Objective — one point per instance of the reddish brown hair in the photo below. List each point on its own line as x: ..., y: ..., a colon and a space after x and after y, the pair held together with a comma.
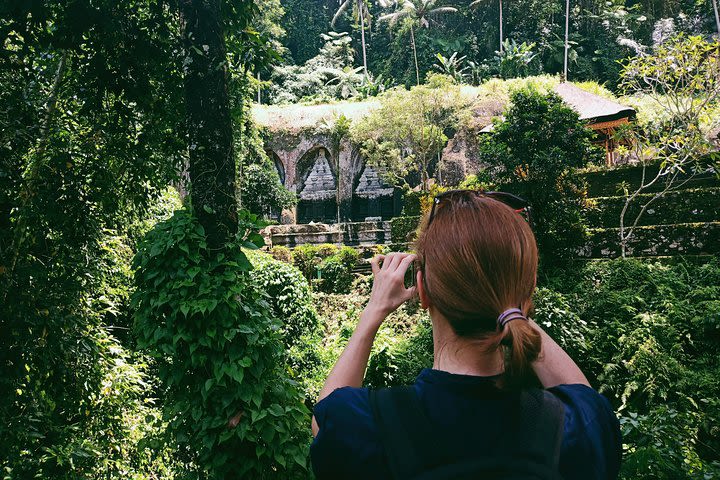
x: 479, y: 258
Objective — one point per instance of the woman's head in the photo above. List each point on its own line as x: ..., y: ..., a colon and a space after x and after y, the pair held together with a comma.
x: 478, y: 258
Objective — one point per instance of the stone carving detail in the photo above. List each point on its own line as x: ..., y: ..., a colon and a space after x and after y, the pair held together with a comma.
x: 371, y: 185
x: 320, y: 183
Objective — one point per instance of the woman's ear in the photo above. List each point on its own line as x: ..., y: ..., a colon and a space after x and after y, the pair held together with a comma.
x: 422, y: 294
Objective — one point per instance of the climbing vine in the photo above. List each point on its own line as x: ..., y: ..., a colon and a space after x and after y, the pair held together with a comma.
x: 219, y: 354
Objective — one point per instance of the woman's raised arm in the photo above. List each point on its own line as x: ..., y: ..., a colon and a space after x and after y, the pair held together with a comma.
x: 554, y: 366
x: 388, y: 293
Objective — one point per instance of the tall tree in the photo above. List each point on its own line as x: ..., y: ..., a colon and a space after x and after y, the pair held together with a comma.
x: 477, y: 3
x: 209, y: 125
x: 418, y: 12
x: 567, y: 44
x: 363, y: 16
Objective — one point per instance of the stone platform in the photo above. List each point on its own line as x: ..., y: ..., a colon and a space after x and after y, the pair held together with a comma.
x: 348, y: 233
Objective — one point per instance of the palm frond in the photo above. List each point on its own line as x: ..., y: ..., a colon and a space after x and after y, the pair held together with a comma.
x: 392, y: 18
x: 340, y: 11
x: 477, y: 3
x: 440, y: 10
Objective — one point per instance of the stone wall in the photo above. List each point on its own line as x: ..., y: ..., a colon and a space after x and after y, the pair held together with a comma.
x: 682, y: 222
x: 298, y: 137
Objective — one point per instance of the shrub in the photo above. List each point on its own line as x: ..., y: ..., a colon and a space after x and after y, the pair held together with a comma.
x: 336, y: 271
x: 478, y: 181
x: 308, y: 257
x: 403, y: 230
x: 231, y: 407
x: 284, y: 254
x: 290, y: 299
x: 288, y: 294
x: 327, y: 266
x: 411, y: 203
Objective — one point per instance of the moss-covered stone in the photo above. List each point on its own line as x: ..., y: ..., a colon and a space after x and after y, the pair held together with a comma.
x: 684, y: 206
x: 608, y: 183
x: 658, y: 240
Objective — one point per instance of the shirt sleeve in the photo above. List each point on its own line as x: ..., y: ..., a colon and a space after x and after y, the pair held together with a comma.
x: 346, y: 445
x: 592, y: 445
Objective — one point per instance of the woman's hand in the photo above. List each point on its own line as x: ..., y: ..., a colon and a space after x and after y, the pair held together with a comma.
x: 388, y: 291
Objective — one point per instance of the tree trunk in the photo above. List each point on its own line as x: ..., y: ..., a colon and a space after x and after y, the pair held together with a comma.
x: 717, y: 17
x: 362, y: 37
x: 412, y: 40
x: 501, y: 28
x: 567, y: 31
x: 212, y: 162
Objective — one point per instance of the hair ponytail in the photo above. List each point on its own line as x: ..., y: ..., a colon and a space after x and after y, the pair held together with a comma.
x: 522, y: 344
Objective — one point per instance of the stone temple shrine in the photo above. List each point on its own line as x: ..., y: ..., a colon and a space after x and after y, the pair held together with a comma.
x: 342, y: 199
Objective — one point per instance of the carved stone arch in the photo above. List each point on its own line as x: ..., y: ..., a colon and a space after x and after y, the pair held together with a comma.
x: 307, y: 160
x: 373, y: 197
x: 316, y: 185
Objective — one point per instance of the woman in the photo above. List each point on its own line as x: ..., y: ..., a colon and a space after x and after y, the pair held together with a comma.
x: 473, y: 411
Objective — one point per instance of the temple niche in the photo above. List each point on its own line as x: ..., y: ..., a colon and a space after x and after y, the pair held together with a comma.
x: 279, y: 167
x: 317, y: 200
x: 372, y: 198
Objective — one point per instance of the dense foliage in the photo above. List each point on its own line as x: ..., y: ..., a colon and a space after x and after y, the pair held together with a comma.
x: 601, y: 34
x: 328, y: 75
x: 538, y: 147
x: 651, y: 344
x: 260, y: 188
x: 88, y: 138
x: 329, y: 268
x: 231, y: 408
x: 91, y: 135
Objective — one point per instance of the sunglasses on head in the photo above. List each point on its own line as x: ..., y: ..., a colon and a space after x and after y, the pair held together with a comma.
x: 518, y: 204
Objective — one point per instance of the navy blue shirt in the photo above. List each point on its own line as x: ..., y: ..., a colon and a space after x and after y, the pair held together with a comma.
x: 473, y: 412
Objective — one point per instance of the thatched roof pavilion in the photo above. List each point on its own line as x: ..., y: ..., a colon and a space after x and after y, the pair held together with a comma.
x: 602, y: 115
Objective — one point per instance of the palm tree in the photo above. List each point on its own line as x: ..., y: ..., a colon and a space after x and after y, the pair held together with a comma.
x: 419, y: 12
x: 364, y: 14
x: 717, y: 17
x: 476, y: 3
x: 567, y: 43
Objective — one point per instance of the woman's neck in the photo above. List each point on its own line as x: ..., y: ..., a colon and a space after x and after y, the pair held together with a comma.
x: 457, y: 355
